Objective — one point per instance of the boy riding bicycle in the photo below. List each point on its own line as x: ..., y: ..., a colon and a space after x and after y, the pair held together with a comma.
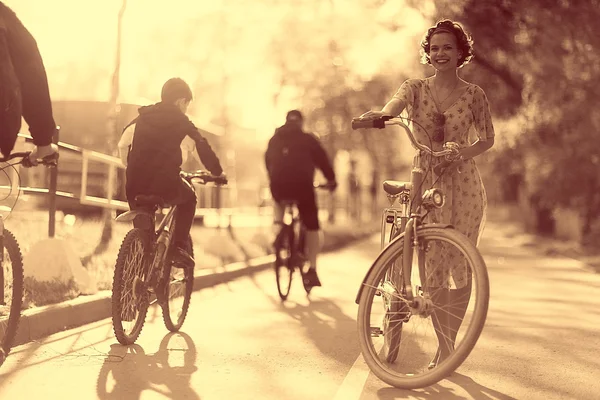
x: 153, y: 158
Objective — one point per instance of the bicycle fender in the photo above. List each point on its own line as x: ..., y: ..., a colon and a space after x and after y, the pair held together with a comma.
x: 391, y: 247
x: 141, y: 218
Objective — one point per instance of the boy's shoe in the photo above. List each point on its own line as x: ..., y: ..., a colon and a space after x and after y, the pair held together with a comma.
x: 310, y: 278
x: 181, y: 258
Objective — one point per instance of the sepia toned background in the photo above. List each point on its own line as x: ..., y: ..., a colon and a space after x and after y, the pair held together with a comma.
x: 249, y: 62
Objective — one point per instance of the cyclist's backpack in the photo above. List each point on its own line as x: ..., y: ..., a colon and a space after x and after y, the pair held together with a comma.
x: 10, y: 95
x: 289, y: 159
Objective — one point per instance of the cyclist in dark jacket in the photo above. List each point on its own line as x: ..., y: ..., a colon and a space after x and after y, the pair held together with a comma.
x: 23, y: 88
x: 291, y: 159
x: 154, y: 159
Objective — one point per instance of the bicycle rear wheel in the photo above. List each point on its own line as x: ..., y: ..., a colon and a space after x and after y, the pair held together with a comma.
x: 178, y: 293
x: 11, y: 292
x: 284, y: 270
x: 447, y: 318
x: 130, y: 298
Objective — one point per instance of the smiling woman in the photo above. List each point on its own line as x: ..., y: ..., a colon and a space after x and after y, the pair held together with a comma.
x: 444, y: 108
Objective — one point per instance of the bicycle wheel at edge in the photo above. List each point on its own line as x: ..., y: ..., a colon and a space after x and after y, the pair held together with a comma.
x: 283, y: 256
x: 476, y: 321
x: 129, y: 312
x: 12, y: 281
x: 178, y: 293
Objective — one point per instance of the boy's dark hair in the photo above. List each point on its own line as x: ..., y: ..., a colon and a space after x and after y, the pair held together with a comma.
x: 175, y: 89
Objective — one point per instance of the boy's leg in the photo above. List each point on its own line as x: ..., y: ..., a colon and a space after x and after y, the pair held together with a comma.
x: 184, y: 218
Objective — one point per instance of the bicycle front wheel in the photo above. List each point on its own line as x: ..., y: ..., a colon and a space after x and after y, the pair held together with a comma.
x: 441, y: 328
x: 178, y: 293
x: 130, y: 298
x: 11, y: 295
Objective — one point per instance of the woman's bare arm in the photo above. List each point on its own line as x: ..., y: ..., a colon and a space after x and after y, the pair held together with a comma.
x: 394, y: 107
x: 477, y: 148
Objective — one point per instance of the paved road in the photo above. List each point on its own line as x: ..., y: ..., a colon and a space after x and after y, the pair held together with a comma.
x: 240, y: 342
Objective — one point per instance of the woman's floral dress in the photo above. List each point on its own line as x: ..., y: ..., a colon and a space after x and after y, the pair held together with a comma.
x: 465, y: 195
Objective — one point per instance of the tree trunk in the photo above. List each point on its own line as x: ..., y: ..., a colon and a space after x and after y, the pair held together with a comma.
x: 107, y: 215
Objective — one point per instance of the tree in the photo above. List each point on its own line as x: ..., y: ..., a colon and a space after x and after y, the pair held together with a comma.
x: 544, y: 54
x: 113, y: 134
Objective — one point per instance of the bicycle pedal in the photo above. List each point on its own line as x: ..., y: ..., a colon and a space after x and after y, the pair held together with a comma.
x: 376, y: 332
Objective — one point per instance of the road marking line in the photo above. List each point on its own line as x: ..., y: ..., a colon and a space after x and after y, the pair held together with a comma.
x: 354, y: 382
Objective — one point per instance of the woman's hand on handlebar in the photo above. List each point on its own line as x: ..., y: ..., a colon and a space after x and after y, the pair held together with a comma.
x: 370, y: 115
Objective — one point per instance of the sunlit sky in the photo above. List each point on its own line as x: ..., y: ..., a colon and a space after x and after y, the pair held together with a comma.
x: 205, y: 41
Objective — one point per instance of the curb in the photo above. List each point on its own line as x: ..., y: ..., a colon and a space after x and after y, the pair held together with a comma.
x: 40, y: 322
x: 43, y: 321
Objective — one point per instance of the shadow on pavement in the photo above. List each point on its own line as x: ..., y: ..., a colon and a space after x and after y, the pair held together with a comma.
x: 326, y: 325
x: 443, y: 391
x: 129, y: 371
x: 27, y: 356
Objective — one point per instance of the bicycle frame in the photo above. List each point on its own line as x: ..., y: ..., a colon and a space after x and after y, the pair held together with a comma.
x: 161, y: 239
x: 408, y: 224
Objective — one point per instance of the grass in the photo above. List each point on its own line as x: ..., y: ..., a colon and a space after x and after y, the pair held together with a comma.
x: 39, y: 293
x: 213, y: 248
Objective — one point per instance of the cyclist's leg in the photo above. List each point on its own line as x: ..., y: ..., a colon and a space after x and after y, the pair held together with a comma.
x: 309, y: 214
x: 278, y: 194
x: 185, y: 199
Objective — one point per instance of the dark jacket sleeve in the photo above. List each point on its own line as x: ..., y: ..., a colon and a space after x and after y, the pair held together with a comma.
x: 320, y: 158
x: 205, y: 152
x: 29, y: 67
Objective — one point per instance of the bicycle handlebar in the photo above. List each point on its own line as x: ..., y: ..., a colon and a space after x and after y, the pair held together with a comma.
x: 205, y: 176
x: 50, y: 160
x: 450, y: 148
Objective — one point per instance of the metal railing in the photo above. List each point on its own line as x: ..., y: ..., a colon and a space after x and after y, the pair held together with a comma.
x: 210, y: 204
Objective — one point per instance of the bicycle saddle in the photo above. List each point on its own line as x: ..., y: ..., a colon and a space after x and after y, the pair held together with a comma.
x: 394, y: 188
x: 149, y: 200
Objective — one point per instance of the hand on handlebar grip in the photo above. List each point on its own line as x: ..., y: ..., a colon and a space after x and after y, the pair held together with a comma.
x: 47, y: 155
x: 371, y: 115
x: 455, y: 148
